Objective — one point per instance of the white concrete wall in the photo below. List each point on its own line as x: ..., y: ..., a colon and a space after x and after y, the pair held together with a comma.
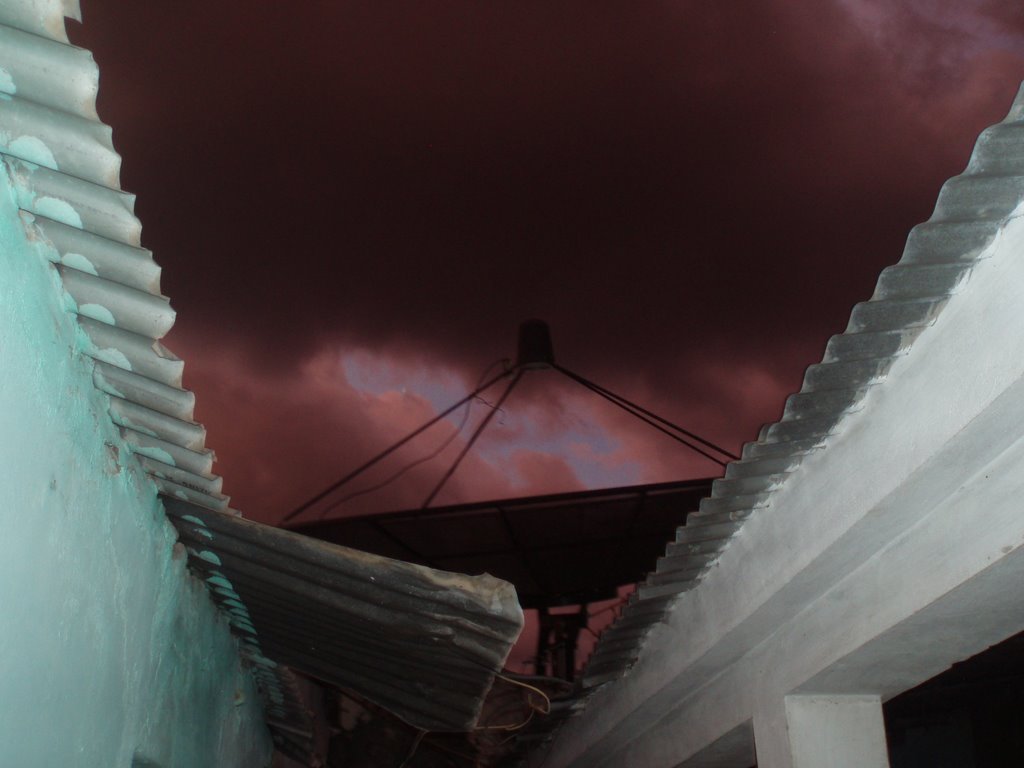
x: 109, y: 651
x: 883, y: 559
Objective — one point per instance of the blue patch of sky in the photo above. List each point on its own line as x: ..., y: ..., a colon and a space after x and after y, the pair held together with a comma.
x: 374, y: 375
x: 565, y: 443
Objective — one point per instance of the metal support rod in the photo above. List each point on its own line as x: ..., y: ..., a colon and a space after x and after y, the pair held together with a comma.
x: 638, y: 413
x: 603, y: 390
x: 540, y: 661
x: 473, y: 438
x: 388, y: 451
x: 650, y: 422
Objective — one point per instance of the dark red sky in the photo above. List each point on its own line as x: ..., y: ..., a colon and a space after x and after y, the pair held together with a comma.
x: 355, y: 204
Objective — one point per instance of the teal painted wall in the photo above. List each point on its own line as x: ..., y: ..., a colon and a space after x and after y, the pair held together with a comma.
x: 109, y: 651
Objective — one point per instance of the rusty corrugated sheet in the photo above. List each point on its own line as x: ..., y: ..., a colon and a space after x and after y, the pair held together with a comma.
x: 422, y: 643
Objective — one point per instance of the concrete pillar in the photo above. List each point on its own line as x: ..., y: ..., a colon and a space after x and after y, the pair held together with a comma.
x: 822, y: 731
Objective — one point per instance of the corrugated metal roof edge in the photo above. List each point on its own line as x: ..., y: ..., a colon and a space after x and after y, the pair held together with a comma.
x: 970, y: 211
x: 424, y: 644
x: 65, y: 173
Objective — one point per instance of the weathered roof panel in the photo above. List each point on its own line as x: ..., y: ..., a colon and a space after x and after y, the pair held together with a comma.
x: 66, y: 177
x: 41, y: 17
x: 971, y: 210
x: 59, y: 76
x: 422, y: 643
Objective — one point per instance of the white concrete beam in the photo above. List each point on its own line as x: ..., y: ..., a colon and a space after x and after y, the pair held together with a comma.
x: 909, y: 521
x: 822, y: 732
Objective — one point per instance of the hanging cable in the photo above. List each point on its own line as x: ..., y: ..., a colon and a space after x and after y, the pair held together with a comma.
x: 530, y: 689
x: 384, y: 483
x: 473, y: 438
x: 432, y: 455
x: 412, y: 748
x: 388, y: 451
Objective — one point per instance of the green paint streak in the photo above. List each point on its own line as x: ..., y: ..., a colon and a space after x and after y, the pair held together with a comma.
x: 152, y: 452
x: 97, y: 312
x: 34, y: 150
x: 112, y: 637
x: 210, y: 557
x: 58, y: 210
x: 79, y: 262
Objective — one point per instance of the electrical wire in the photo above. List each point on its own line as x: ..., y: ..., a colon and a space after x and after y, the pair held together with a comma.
x: 528, y: 687
x: 432, y: 455
x: 391, y: 449
x: 413, y: 748
x: 411, y: 465
x: 473, y: 438
x: 545, y: 710
x: 510, y: 727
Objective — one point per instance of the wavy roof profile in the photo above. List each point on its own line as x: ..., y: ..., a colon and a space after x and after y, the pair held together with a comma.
x: 65, y: 176
x: 319, y: 608
x: 971, y: 210
x: 65, y: 173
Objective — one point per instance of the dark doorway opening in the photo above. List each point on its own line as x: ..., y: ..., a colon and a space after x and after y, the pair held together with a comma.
x: 970, y: 716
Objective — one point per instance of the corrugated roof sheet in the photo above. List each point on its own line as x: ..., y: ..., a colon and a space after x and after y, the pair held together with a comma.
x: 66, y: 177
x: 971, y: 210
x: 422, y: 643
x: 65, y: 174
